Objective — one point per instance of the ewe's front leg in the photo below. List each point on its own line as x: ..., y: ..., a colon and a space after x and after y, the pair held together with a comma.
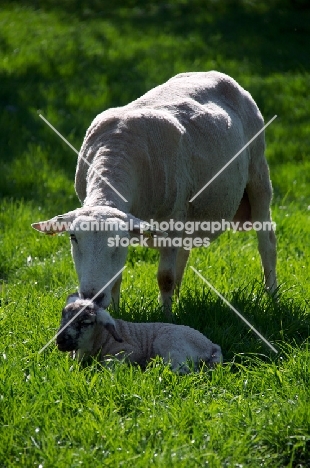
x: 182, y: 258
x: 116, y: 293
x: 166, y: 277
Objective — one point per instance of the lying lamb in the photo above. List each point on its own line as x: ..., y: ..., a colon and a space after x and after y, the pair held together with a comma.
x: 91, y: 330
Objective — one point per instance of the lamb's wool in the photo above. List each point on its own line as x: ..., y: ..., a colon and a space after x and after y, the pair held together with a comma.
x: 94, y: 331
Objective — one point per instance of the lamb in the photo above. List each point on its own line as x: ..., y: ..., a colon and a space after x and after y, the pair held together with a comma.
x: 94, y: 331
x: 147, y: 160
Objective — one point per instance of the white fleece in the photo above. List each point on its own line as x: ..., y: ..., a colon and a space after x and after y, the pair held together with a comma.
x: 158, y: 152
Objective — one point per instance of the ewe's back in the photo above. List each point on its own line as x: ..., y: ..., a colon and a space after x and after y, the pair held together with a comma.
x: 196, y: 89
x: 170, y: 142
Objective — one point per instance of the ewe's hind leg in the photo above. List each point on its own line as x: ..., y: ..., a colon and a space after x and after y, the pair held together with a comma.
x: 260, y: 193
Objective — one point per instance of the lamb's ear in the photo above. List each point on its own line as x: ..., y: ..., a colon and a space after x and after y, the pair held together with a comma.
x: 72, y: 298
x: 57, y: 224
x: 111, y: 328
x: 107, y: 321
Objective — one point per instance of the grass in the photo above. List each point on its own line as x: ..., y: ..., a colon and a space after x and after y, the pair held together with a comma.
x: 70, y: 61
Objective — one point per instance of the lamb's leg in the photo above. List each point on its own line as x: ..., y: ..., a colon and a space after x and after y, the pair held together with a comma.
x: 177, y: 361
x: 180, y: 267
x: 171, y: 346
x: 166, y: 277
x: 260, y: 193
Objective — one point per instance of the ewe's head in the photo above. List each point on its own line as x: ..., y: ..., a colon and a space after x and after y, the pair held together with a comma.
x: 99, y: 239
x: 81, y: 321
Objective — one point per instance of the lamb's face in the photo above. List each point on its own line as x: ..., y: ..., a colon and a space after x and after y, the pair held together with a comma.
x: 79, y: 319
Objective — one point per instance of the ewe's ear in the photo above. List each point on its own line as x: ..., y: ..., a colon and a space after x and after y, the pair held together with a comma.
x: 145, y: 229
x: 107, y: 321
x: 148, y: 231
x: 57, y: 224
x: 72, y: 298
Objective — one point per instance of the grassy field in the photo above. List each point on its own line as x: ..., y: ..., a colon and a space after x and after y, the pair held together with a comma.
x: 69, y: 60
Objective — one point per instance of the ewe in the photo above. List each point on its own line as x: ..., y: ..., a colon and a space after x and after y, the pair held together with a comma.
x: 94, y: 331
x: 158, y: 152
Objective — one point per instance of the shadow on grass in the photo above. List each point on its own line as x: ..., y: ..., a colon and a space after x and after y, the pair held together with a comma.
x: 28, y: 142
x: 285, y: 323
x: 271, y: 36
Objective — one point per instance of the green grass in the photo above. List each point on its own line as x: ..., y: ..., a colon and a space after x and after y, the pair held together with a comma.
x: 70, y: 60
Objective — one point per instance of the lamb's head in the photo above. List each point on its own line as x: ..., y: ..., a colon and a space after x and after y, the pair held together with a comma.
x: 81, y: 322
x: 99, y: 239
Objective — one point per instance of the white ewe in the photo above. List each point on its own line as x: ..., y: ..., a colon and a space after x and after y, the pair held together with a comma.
x: 94, y: 331
x: 158, y: 152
